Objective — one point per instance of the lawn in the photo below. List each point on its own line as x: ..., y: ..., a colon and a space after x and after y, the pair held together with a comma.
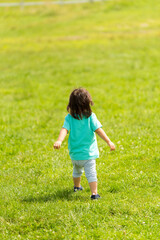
x: 25, y: 1
x: 112, y: 49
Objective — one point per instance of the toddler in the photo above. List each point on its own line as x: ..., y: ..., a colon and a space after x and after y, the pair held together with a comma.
x: 82, y: 123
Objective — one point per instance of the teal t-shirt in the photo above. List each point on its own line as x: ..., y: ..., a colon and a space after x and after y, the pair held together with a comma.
x: 82, y: 142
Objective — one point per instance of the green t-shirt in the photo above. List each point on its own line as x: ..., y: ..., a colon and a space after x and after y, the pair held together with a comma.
x: 82, y: 142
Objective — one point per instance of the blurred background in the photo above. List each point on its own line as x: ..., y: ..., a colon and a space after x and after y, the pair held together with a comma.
x: 23, y: 3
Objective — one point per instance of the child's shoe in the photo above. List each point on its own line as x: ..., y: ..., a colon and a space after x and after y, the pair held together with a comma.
x: 78, y: 188
x: 95, y: 197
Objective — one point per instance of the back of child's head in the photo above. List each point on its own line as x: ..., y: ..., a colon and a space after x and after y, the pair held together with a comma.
x: 80, y: 102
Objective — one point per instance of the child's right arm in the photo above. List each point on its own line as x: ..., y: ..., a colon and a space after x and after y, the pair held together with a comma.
x: 60, y: 139
x: 103, y: 135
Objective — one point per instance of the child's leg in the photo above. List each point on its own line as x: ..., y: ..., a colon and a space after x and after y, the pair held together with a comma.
x: 91, y: 174
x: 93, y: 187
x: 77, y: 181
x: 77, y: 172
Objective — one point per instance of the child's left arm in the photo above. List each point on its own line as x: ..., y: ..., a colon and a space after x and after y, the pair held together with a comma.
x: 103, y: 135
x: 60, y: 139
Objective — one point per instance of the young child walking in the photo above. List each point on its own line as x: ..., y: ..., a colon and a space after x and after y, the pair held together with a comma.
x: 82, y: 123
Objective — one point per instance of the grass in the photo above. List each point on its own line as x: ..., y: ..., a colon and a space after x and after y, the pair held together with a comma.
x: 112, y: 49
x: 25, y: 1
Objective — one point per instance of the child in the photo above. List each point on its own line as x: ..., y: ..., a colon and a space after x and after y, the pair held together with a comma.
x: 82, y: 124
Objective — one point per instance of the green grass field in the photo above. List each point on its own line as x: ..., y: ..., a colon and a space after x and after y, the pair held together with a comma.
x: 25, y: 1
x: 112, y: 49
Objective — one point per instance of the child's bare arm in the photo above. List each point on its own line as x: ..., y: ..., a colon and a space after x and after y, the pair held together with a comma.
x: 103, y: 135
x: 60, y: 139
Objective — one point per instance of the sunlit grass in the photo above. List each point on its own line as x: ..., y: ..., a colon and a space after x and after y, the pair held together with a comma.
x: 112, y: 49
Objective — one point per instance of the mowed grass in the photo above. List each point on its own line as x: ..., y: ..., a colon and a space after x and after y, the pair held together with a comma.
x: 112, y: 49
x: 32, y: 1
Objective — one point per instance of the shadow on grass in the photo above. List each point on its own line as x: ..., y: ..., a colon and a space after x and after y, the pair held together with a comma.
x: 66, y: 195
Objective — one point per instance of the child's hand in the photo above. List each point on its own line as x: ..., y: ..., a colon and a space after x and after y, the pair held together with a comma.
x: 112, y: 146
x: 57, y: 144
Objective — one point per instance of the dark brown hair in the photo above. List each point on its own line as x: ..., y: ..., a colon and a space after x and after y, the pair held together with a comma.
x: 79, y: 103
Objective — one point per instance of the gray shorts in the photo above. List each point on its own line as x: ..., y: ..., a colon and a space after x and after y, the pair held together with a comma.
x: 89, y: 167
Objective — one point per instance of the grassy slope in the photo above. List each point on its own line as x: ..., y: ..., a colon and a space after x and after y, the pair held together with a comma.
x: 112, y: 49
x: 24, y: 1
